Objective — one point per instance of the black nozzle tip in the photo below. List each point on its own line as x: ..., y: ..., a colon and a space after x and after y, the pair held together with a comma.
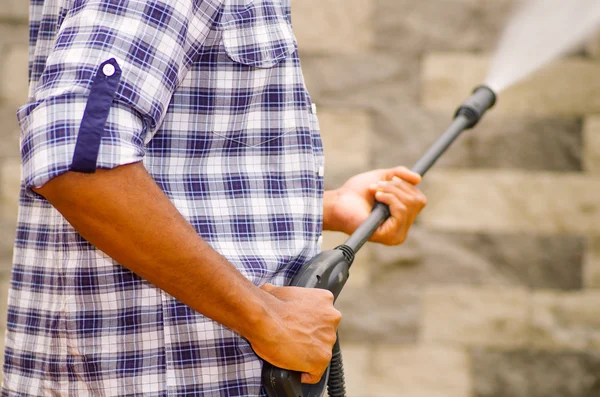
x: 490, y: 92
x: 477, y: 104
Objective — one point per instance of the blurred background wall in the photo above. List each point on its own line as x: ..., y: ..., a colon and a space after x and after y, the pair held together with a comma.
x: 495, y: 292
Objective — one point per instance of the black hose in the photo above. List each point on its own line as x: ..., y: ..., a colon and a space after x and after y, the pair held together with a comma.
x: 336, y: 385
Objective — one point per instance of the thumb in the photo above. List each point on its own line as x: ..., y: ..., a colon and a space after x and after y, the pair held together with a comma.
x: 268, y: 288
x: 310, y: 379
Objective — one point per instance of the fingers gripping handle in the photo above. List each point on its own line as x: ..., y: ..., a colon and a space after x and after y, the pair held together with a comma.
x: 467, y: 116
x: 283, y: 383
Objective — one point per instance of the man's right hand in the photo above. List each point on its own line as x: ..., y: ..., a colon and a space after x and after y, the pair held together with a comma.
x: 299, y: 332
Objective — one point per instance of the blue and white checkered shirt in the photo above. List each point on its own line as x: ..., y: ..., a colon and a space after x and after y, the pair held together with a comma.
x: 210, y: 96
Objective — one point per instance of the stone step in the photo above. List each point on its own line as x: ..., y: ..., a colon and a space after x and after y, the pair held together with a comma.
x: 566, y: 321
x: 491, y: 317
x: 347, y: 136
x: 591, y: 263
x: 14, y: 10
x: 511, y: 201
x: 568, y: 87
x: 510, y: 318
x: 334, y: 26
x: 14, y: 83
x: 591, y: 145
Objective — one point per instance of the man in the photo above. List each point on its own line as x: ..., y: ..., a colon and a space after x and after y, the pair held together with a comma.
x: 172, y: 185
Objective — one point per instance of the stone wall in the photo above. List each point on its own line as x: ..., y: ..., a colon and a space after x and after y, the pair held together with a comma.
x: 495, y: 293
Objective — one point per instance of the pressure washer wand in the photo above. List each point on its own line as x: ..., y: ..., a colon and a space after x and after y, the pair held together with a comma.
x: 467, y: 116
x: 330, y: 269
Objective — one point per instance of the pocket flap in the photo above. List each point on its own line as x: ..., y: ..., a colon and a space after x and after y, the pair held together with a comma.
x: 258, y: 35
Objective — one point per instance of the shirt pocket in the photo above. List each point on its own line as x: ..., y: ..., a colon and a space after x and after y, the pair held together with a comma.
x: 257, y: 79
x: 257, y: 33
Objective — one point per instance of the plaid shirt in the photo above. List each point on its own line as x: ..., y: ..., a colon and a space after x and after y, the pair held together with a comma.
x: 210, y: 96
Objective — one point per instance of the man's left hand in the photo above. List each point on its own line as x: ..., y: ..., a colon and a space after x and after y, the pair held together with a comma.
x: 347, y: 207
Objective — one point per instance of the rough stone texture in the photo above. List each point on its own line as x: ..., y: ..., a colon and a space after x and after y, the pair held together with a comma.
x: 10, y: 181
x: 13, y: 85
x: 331, y: 31
x: 526, y: 144
x: 591, y: 151
x: 403, y: 130
x: 475, y: 316
x: 379, y: 315
x: 535, y: 374
x: 592, y: 47
x: 324, y: 78
x: 479, y: 259
x: 418, y: 27
x: 529, y: 144
x: 4, y: 283
x: 424, y: 371
x: 359, y: 273
x: 357, y: 358
x: 345, y: 134
x: 14, y: 11
x: 506, y: 201
x: 591, y: 263
x: 10, y: 132
x: 566, y: 321
x: 448, y: 78
x: 11, y: 34
x: 7, y: 238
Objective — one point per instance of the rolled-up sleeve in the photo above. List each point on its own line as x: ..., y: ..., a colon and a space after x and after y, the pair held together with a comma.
x: 107, y: 83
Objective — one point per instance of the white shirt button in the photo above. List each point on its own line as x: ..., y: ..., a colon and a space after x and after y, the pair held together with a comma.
x: 108, y: 70
x: 313, y: 108
x: 321, y: 171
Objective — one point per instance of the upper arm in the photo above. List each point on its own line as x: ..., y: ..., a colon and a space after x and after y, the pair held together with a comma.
x: 82, y: 116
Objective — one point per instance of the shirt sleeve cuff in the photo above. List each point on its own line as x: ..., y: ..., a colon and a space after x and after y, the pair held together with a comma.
x: 50, y: 132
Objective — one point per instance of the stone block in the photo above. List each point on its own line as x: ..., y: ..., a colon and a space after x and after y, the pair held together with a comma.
x: 10, y: 182
x: 419, y: 27
x: 7, y: 238
x: 591, y: 263
x: 379, y: 315
x: 337, y: 75
x: 10, y: 132
x: 493, y: 316
x: 357, y: 361
x: 14, y: 11
x: 566, y: 321
x: 346, y: 135
x: 524, y: 260
x: 11, y: 34
x: 568, y: 87
x: 359, y: 274
x: 535, y: 374
x: 513, y: 202
x: 424, y: 371
x: 536, y: 144
x: 333, y: 27
x: 591, y: 145
x: 592, y: 46
x: 14, y: 83
x: 524, y: 144
x: 403, y: 130
x: 4, y: 284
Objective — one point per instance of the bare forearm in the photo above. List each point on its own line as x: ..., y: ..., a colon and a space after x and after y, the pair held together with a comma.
x: 329, y: 199
x: 126, y: 215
